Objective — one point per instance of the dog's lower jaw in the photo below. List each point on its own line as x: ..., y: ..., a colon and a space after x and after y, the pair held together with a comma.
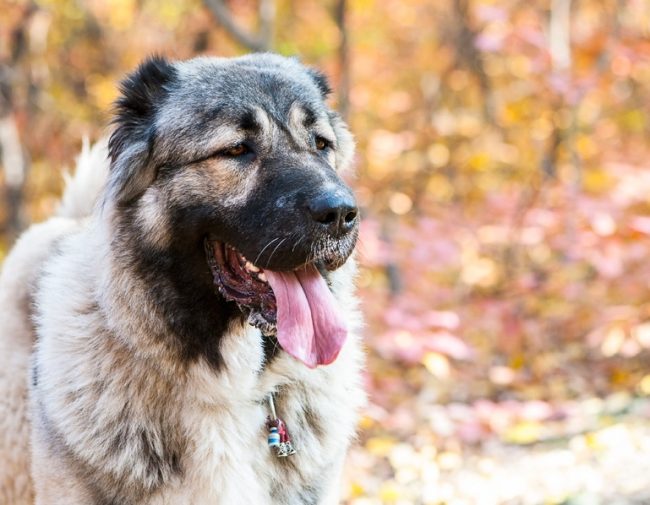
x: 257, y: 320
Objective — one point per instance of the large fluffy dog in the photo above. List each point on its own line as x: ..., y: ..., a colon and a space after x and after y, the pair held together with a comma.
x: 212, y: 276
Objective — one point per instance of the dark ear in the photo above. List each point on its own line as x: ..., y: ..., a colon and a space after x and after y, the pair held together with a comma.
x: 131, y: 142
x: 320, y: 80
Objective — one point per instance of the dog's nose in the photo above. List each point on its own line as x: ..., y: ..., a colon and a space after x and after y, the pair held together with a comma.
x: 335, y: 210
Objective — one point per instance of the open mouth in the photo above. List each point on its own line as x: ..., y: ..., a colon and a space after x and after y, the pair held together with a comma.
x: 296, y: 306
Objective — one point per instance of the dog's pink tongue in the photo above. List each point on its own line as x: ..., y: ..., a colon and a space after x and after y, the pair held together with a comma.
x: 310, y: 327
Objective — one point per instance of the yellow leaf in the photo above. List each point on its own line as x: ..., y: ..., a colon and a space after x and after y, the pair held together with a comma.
x: 614, y: 339
x: 586, y: 146
x: 436, y: 364
x: 356, y: 490
x: 366, y: 422
x: 524, y: 432
x: 438, y: 155
x: 439, y: 188
x: 449, y: 460
x: 597, y: 180
x: 615, y: 436
x: 380, y: 446
x: 479, y: 161
x: 644, y: 385
x: 388, y: 493
x: 634, y: 120
x: 120, y: 17
x: 479, y: 271
x: 591, y: 440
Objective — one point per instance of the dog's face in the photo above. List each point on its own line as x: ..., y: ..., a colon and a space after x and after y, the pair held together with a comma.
x: 232, y: 164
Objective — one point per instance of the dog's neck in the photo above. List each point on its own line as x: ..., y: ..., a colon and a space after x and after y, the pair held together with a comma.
x: 164, y: 295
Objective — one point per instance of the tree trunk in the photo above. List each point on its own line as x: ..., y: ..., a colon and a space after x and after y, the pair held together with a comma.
x: 340, y: 16
x: 260, y: 41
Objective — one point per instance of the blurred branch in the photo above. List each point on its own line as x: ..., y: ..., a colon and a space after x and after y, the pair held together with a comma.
x: 261, y: 41
x: 471, y: 57
x: 344, y: 58
x: 15, y: 167
x: 391, y: 269
x: 549, y: 160
x: 559, y: 34
x: 12, y: 157
x: 560, y: 50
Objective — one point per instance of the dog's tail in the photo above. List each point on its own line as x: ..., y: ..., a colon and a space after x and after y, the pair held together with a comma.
x: 83, y: 187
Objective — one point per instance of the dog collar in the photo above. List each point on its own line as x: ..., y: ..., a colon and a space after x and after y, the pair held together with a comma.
x: 278, y: 437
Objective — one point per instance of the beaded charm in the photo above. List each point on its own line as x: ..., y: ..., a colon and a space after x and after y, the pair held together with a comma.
x: 274, y: 437
x: 278, y: 435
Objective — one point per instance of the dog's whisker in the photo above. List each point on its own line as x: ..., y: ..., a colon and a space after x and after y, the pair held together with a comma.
x: 276, y: 248
x: 312, y: 252
x: 264, y: 249
x: 297, y: 243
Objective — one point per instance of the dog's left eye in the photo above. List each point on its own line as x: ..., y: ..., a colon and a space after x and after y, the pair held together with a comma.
x: 322, y: 143
x: 236, y: 150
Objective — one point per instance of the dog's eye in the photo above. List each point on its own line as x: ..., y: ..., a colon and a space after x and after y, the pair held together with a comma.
x: 322, y: 144
x: 237, y: 150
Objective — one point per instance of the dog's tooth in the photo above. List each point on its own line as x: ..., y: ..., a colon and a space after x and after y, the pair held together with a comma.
x: 251, y: 268
x: 262, y: 277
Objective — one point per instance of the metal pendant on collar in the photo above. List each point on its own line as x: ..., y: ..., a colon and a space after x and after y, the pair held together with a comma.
x: 278, y: 437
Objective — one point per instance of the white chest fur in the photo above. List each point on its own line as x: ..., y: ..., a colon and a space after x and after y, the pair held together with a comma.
x: 228, y: 461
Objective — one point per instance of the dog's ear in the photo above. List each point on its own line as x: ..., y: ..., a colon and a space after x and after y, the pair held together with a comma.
x: 320, y: 79
x: 131, y: 142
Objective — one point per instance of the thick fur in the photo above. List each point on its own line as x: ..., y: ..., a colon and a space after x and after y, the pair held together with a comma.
x: 146, y: 386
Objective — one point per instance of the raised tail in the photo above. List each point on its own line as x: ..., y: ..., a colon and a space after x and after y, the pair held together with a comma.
x: 84, y: 186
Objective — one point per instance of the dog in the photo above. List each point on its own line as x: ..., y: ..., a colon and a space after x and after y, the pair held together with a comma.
x: 185, y: 330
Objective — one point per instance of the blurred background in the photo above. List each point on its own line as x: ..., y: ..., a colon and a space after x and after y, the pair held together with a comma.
x: 503, y: 171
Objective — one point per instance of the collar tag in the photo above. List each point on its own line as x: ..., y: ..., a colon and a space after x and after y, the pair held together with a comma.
x: 278, y: 437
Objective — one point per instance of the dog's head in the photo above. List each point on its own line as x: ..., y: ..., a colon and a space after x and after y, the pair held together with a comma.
x: 236, y: 162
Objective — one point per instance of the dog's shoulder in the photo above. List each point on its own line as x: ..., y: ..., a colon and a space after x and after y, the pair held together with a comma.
x: 24, y: 265
x: 18, y: 282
